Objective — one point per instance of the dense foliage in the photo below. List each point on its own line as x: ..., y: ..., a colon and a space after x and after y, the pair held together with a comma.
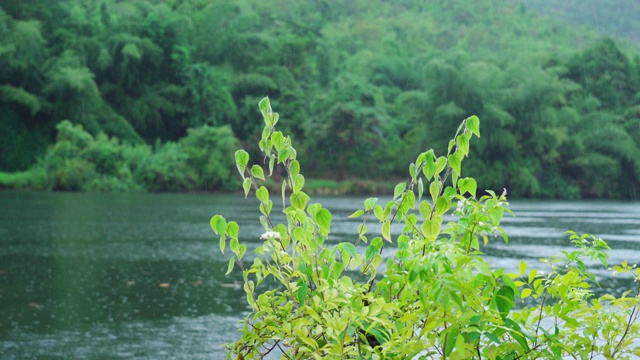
x: 435, y: 296
x: 619, y: 18
x: 384, y: 79
x: 78, y: 161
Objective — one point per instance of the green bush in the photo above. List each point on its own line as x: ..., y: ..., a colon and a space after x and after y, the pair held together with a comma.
x: 209, y: 151
x: 80, y: 162
x: 66, y: 163
x: 436, y: 296
x: 35, y: 178
x: 166, y: 170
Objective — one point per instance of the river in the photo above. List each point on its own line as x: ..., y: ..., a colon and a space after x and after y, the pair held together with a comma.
x: 140, y: 276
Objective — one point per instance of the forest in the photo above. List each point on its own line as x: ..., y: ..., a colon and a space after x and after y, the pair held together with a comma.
x: 156, y: 95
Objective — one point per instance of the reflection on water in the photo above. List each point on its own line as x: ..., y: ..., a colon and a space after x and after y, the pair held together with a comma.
x: 141, y: 275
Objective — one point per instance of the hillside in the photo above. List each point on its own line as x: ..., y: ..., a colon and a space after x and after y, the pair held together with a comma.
x: 618, y: 19
x: 353, y: 81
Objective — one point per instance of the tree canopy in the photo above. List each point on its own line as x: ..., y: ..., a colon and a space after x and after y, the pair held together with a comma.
x: 359, y: 80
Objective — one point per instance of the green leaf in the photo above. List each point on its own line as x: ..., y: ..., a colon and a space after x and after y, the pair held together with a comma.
x: 242, y: 158
x: 356, y: 214
x: 441, y: 163
x: 265, y: 207
x: 467, y: 185
x: 298, y: 183
x: 463, y: 144
x: 370, y: 203
x: 265, y: 109
x: 336, y: 269
x: 399, y: 189
x: 452, y: 336
x: 434, y: 190
x: 421, y: 158
x: 420, y: 189
x: 371, y: 251
x: 431, y: 227
x: 517, y: 334
x: 246, y: 185
x: 409, y: 200
x: 532, y: 275
x: 294, y: 168
x: 234, y: 245
x: 451, y: 145
x: 495, y: 216
x: 442, y: 205
x: 313, y: 209
x: 386, y: 230
x: 455, y: 162
x: 429, y: 168
x: 362, y: 229
x: 425, y: 209
x: 504, y: 300
x: 232, y: 229
x: 277, y: 139
x: 222, y: 244
x: 449, y: 192
x: 257, y: 172
x: 492, y: 337
x: 284, y: 154
x: 375, y: 262
x: 412, y: 171
x: 302, y: 291
x: 262, y: 194
x: 218, y: 224
x: 473, y: 124
x: 380, y: 336
x: 264, y: 222
x: 378, y: 211
x: 272, y: 162
x: 230, y: 266
x: 299, y: 200
x: 265, y: 142
x: 323, y: 218
x: 241, y: 250
x: 522, y: 268
x: 349, y: 248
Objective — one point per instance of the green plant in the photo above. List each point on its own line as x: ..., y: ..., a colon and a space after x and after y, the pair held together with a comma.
x: 436, y: 296
x: 209, y: 152
x: 166, y: 169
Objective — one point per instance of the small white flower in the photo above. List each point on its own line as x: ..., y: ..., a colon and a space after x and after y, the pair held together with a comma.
x: 270, y: 235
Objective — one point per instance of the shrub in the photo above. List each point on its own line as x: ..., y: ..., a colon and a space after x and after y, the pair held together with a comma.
x: 436, y: 296
x: 209, y: 152
x: 34, y: 178
x: 166, y: 170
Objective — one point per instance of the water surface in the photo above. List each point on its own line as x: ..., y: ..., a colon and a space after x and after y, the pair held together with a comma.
x: 140, y: 276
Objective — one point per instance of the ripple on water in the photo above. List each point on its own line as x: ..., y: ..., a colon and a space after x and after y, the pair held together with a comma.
x: 176, y: 338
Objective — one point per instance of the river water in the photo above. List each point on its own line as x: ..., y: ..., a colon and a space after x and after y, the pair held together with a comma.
x: 140, y: 276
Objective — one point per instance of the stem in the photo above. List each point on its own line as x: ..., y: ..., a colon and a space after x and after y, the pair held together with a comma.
x: 444, y: 347
x: 632, y: 317
x: 364, y: 221
x: 473, y: 230
x: 544, y: 298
